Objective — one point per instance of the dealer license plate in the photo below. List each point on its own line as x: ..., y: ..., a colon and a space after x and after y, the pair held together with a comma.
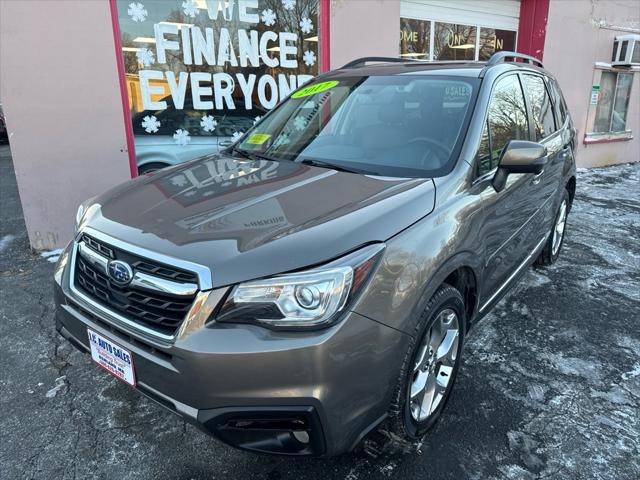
x: 112, y: 357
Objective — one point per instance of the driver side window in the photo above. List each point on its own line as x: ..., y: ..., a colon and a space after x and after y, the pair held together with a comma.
x: 506, y: 120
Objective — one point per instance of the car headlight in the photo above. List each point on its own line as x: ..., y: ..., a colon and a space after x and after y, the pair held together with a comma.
x: 84, y: 208
x: 60, y: 266
x: 301, y: 300
x: 79, y: 215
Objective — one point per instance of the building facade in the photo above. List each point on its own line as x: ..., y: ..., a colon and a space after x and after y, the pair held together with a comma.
x: 95, y: 92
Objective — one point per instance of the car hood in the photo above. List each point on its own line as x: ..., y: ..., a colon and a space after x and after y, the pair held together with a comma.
x: 246, y: 219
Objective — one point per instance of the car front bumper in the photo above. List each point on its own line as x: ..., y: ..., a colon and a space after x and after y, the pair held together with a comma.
x: 297, y: 393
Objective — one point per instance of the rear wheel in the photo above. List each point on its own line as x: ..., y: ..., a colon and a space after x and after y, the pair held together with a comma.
x: 551, y: 250
x: 151, y: 167
x: 430, y: 366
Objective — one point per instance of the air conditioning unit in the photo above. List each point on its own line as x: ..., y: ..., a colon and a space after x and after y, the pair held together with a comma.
x: 626, y: 51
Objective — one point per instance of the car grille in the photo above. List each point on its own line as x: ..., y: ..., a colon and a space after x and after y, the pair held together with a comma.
x: 159, y: 311
x: 139, y: 263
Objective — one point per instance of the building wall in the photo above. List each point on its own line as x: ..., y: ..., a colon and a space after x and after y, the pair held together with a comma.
x: 364, y: 28
x: 579, y: 34
x: 61, y: 97
x: 60, y: 91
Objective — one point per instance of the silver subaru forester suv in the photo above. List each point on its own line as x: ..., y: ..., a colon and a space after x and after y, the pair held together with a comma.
x: 317, y: 279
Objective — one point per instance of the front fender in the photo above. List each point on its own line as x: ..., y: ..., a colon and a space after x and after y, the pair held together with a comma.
x: 416, y: 263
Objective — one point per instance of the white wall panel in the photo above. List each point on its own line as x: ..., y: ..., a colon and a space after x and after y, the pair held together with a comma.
x: 501, y: 14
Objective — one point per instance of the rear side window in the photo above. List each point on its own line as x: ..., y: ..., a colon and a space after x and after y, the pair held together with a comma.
x: 561, y: 108
x: 541, y: 106
x: 506, y: 120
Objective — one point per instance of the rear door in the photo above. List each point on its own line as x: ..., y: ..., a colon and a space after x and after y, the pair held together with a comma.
x: 508, y: 232
x: 545, y: 131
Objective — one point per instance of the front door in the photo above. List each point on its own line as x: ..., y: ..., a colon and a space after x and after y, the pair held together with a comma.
x: 509, y: 230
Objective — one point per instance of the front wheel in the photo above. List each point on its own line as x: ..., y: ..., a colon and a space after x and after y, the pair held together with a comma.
x: 551, y: 250
x: 430, y: 366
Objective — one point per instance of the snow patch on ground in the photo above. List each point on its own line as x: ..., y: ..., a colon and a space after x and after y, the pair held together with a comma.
x: 60, y: 387
x: 52, y: 255
x: 5, y: 241
x: 632, y: 373
x: 580, y: 367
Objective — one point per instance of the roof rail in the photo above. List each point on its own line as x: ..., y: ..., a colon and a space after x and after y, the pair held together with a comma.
x: 499, y: 57
x: 360, y: 62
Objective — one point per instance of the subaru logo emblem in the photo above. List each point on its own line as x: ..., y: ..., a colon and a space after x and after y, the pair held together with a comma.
x: 120, y: 272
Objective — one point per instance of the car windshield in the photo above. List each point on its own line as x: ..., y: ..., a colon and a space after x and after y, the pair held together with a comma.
x: 400, y: 126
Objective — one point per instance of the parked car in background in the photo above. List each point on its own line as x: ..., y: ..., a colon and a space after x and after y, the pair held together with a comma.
x: 156, y: 149
x: 318, y: 278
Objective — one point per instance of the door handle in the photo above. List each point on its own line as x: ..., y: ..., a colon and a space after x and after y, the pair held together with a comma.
x: 225, y: 143
x: 537, y: 177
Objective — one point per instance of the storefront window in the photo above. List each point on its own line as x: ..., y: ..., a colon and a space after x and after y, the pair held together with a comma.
x: 431, y: 40
x: 493, y: 40
x: 414, y: 38
x: 200, y: 72
x: 454, y: 42
x: 613, y: 102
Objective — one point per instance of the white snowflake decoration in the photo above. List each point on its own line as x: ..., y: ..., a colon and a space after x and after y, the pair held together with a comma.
x: 137, y: 12
x: 288, y: 4
x: 150, y: 124
x: 257, y: 119
x: 236, y: 136
x: 145, y: 56
x: 309, y: 58
x: 281, y: 139
x: 190, y: 8
x: 208, y: 123
x: 268, y: 17
x: 179, y: 180
x: 299, y: 123
x: 306, y: 25
x: 181, y: 137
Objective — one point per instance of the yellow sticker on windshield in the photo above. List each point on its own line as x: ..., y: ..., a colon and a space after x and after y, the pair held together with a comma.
x: 315, y: 88
x: 258, y: 138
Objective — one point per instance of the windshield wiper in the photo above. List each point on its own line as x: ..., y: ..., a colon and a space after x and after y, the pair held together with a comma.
x: 253, y: 155
x: 340, y: 168
x: 307, y: 161
x: 242, y: 153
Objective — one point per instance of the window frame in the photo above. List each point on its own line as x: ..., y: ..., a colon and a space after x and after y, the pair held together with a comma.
x: 592, y: 136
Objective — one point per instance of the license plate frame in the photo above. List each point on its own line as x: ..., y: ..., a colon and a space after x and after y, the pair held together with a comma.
x: 112, y: 357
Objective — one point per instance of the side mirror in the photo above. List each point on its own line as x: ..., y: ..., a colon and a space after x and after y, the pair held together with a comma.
x: 519, y: 156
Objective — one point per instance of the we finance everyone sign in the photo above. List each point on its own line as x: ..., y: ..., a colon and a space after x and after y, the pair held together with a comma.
x: 202, y: 68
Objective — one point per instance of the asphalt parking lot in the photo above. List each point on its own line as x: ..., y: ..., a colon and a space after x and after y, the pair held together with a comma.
x: 549, y: 386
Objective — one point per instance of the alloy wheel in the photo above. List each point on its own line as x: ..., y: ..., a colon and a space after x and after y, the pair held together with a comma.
x: 558, y: 229
x: 433, y: 368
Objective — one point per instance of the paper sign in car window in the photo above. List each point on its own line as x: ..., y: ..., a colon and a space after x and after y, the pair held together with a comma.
x: 258, y: 138
x: 315, y: 88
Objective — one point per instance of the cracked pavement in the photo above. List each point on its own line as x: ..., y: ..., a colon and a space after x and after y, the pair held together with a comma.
x: 549, y: 386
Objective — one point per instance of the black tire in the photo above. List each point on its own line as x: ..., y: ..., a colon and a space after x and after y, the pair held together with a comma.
x: 151, y: 167
x: 400, y: 420
x: 548, y: 255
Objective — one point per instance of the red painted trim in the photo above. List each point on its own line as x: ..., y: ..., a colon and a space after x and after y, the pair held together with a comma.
x: 325, y: 32
x: 128, y: 126
x: 532, y: 28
